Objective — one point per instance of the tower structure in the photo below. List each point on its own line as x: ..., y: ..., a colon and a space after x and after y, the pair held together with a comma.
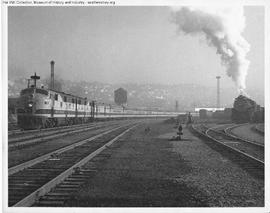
x: 120, y: 96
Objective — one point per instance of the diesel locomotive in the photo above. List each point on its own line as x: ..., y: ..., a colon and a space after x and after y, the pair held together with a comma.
x: 46, y: 108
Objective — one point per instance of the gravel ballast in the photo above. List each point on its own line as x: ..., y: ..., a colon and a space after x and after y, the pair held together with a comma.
x: 147, y: 169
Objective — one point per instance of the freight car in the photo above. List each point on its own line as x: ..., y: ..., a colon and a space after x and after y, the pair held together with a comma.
x: 246, y: 110
x: 44, y: 108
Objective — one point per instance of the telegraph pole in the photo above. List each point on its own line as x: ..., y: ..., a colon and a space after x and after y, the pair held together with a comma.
x: 218, y: 91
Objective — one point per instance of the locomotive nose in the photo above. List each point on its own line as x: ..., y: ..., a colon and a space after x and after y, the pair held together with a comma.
x: 27, y: 103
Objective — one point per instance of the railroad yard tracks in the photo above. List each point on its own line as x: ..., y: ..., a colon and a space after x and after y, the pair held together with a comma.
x: 33, y: 137
x: 16, y: 132
x: 229, y: 129
x: 246, y: 153
x: 259, y: 128
x: 65, y: 169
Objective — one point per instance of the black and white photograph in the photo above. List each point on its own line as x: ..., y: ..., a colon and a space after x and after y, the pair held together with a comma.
x: 109, y: 105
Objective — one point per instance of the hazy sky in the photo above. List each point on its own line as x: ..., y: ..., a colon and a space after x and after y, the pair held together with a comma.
x: 121, y: 44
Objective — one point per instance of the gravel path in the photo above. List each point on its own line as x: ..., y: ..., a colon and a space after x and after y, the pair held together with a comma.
x: 147, y: 169
x: 224, y: 182
x: 246, y: 132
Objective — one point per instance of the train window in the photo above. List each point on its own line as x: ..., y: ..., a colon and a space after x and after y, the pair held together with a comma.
x: 65, y: 98
x: 56, y: 97
x: 27, y: 91
x: 79, y: 101
x: 73, y: 100
x: 61, y: 104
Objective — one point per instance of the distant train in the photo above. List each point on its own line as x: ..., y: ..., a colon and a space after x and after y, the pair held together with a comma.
x: 44, y: 108
x: 246, y: 110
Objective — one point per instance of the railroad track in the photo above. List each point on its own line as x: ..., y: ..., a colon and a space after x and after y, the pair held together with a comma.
x: 251, y: 150
x: 26, y: 135
x: 40, y: 137
x: 62, y: 168
x: 249, y: 155
x: 14, y: 131
x: 259, y: 128
x: 228, y: 131
x: 39, y: 152
x: 201, y: 128
x: 17, y: 132
x: 32, y: 151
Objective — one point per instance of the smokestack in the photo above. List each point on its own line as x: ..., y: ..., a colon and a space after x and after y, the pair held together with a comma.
x: 218, y: 92
x: 52, y: 75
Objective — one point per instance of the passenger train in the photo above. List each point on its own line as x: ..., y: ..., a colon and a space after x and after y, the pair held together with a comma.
x: 44, y: 108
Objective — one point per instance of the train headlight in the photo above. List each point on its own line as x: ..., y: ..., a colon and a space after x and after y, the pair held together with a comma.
x: 30, y: 104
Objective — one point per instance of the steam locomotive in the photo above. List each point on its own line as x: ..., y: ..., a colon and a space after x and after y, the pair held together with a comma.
x: 44, y: 108
x: 246, y: 110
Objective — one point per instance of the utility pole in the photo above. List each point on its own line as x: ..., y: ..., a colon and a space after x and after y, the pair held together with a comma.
x: 52, y: 75
x: 176, y: 106
x: 218, y: 91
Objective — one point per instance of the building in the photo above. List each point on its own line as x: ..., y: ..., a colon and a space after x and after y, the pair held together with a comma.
x: 120, y: 96
x: 210, y: 109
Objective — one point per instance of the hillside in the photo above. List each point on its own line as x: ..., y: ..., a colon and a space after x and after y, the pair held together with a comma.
x: 146, y: 95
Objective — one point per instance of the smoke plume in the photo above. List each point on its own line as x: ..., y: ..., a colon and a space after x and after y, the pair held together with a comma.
x: 222, y: 28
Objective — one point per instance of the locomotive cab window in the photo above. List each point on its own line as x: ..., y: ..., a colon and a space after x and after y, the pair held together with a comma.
x: 42, y: 91
x: 56, y: 97
x: 27, y: 91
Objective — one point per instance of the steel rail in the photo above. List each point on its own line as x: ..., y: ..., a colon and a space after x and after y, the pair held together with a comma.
x: 51, y: 136
x: 34, y: 161
x: 30, y: 199
x: 228, y: 132
x: 22, y: 132
x: 261, y: 163
x: 42, y: 134
x: 232, y: 148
